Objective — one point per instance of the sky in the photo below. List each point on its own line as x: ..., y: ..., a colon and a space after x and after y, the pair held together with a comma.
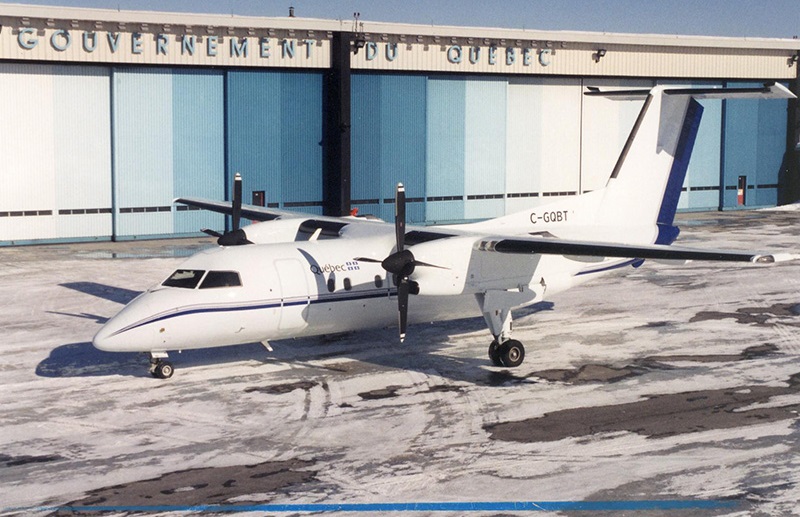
x: 735, y: 18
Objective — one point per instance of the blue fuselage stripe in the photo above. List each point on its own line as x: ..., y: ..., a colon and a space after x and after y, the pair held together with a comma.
x: 266, y: 304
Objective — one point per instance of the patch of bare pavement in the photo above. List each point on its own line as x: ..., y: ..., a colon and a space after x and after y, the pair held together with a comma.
x: 260, y: 483
x: 657, y: 416
x: 677, y: 383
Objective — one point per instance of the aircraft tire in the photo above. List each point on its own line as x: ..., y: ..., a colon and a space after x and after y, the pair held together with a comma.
x: 163, y: 370
x: 494, y: 353
x: 512, y: 353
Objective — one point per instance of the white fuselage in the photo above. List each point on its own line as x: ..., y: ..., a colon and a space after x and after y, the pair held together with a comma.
x: 317, y: 287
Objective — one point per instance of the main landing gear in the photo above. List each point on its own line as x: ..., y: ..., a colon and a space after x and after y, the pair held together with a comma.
x: 159, y: 368
x: 503, y: 351
x: 509, y: 353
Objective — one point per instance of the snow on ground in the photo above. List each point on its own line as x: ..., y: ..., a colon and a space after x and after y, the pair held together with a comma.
x: 664, y: 382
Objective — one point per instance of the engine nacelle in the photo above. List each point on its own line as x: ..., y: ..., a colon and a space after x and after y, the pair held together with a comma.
x: 446, y: 269
x: 271, y: 232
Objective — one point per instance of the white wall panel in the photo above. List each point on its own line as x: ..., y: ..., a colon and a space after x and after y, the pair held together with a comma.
x: 523, y: 144
x: 27, y: 175
x: 543, y: 148
x: 82, y: 151
x: 560, y: 136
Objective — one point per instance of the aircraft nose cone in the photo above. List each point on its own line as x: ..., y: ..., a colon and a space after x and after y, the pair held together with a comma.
x: 105, y: 338
x: 123, y: 332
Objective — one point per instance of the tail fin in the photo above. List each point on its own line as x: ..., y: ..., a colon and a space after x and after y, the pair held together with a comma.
x: 646, y: 182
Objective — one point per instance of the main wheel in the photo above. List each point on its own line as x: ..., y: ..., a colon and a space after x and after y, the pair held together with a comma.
x: 494, y: 353
x: 512, y: 353
x: 163, y: 370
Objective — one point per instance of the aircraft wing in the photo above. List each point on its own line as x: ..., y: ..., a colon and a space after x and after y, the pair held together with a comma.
x: 549, y: 246
x: 254, y: 213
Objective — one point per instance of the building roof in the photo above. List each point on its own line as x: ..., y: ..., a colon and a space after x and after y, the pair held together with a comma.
x: 374, y: 29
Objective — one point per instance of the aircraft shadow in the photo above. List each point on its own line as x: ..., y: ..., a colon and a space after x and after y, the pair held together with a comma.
x: 106, y: 292
x: 84, y: 360
x: 422, y: 352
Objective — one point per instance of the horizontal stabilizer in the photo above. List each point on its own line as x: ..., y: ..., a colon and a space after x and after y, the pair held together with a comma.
x: 768, y: 91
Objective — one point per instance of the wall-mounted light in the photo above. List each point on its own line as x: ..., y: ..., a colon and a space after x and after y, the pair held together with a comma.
x: 601, y: 52
x: 793, y: 60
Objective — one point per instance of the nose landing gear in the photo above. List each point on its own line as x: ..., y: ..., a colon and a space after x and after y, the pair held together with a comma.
x: 159, y: 368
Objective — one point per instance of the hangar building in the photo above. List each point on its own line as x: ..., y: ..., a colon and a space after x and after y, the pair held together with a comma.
x: 108, y: 116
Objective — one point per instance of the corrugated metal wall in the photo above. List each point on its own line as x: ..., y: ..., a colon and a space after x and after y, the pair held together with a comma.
x: 498, y: 145
x: 54, y: 144
x: 143, y: 152
x: 389, y: 143
x: 274, y: 122
x: 754, y: 147
x: 467, y: 147
x: 168, y: 142
x: 198, y: 128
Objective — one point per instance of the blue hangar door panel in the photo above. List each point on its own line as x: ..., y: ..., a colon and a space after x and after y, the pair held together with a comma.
x: 388, y: 143
x: 274, y: 128
x: 143, y: 152
x: 198, y: 153
x: 753, y: 151
x: 168, y: 142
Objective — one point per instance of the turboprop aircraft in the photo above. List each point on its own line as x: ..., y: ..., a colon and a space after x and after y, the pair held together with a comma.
x: 291, y: 275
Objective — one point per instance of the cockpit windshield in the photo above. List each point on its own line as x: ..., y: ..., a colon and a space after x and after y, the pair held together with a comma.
x: 221, y: 279
x: 190, y: 279
x: 184, y: 278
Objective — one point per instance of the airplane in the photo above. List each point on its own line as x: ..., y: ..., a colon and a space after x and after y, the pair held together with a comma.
x: 291, y: 275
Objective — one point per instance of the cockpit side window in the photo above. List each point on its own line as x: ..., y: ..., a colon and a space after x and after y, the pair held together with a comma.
x: 184, y: 278
x: 221, y: 279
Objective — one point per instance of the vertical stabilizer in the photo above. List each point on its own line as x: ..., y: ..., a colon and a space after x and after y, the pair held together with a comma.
x: 645, y: 184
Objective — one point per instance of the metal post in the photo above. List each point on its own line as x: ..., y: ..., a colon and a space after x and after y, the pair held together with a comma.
x: 336, y: 132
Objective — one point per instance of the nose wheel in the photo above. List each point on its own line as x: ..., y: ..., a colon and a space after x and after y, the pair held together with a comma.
x: 161, y: 369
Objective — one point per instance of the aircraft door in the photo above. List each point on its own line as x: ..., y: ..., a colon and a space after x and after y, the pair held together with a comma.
x: 294, y: 294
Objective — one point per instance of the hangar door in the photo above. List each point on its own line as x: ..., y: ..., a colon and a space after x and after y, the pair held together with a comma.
x: 56, y: 153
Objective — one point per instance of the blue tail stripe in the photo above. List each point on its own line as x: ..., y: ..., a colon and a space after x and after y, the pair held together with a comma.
x: 683, y: 153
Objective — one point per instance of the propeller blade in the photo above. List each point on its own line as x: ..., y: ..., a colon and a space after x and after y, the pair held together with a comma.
x: 368, y: 259
x: 400, y: 217
x: 402, y: 306
x: 236, y: 213
x: 212, y: 233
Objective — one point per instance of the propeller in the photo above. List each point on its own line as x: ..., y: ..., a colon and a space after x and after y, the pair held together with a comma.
x: 401, y: 263
x: 236, y: 236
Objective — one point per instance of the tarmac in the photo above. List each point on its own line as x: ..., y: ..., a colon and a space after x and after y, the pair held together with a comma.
x: 663, y: 390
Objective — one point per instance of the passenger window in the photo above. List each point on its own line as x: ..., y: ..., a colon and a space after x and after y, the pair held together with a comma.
x: 221, y: 279
x: 347, y: 284
x: 378, y: 281
x: 184, y: 278
x: 331, y: 284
